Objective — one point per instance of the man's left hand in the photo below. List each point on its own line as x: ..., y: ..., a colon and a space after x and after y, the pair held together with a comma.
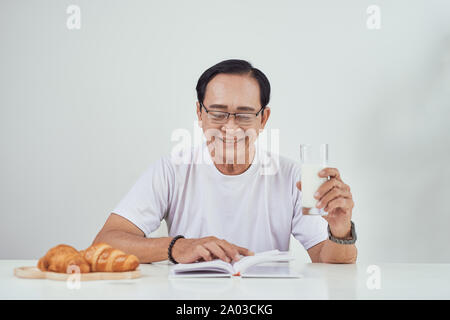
x: 336, y: 199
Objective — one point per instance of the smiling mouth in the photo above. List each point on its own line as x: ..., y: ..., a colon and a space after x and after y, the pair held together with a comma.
x: 229, y: 141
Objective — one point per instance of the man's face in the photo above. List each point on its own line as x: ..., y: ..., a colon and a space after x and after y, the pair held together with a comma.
x: 230, y: 139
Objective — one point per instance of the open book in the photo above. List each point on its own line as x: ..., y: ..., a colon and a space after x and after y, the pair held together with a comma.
x: 268, y: 264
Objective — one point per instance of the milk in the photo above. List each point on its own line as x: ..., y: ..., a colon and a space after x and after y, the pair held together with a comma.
x: 310, y: 184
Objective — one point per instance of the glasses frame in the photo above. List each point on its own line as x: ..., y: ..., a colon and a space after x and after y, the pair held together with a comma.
x: 230, y: 113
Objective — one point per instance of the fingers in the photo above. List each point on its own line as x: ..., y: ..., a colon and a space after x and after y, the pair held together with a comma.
x: 224, y: 250
x: 207, y: 249
x: 330, y: 172
x: 329, y: 185
x: 299, y: 185
x: 331, y: 195
x: 244, y: 251
x: 343, y: 203
x: 217, y: 251
x: 233, y: 251
x: 203, y: 253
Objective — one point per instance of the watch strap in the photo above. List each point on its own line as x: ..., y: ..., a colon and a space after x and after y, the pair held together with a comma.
x: 343, y: 241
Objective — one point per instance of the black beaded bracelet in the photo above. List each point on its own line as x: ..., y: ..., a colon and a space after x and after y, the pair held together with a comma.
x: 169, y: 251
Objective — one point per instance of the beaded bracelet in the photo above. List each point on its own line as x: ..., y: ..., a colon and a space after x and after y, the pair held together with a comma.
x: 169, y: 251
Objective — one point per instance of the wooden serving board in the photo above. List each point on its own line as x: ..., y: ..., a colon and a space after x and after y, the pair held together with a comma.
x: 35, y: 273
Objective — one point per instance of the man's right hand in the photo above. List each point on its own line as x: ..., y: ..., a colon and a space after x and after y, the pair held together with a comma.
x: 207, y: 249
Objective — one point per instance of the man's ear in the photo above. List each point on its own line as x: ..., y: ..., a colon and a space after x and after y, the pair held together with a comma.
x: 199, y: 114
x: 265, y: 117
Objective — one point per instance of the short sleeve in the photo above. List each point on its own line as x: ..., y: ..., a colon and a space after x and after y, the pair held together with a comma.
x: 308, y: 230
x: 147, y: 203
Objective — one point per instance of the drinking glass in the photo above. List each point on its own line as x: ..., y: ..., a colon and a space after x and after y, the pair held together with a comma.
x: 313, y: 157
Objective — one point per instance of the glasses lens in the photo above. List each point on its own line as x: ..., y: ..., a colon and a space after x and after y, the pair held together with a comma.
x: 245, y: 118
x: 217, y: 116
x: 222, y: 117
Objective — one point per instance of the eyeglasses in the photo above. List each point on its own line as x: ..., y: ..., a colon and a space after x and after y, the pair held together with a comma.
x: 221, y: 117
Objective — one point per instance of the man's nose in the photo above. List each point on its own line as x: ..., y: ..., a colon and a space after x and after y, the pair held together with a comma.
x: 231, y: 124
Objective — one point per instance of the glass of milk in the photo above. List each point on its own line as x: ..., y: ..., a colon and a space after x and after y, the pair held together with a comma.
x: 314, y: 157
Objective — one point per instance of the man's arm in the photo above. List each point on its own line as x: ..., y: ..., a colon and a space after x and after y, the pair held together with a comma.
x: 122, y: 234
x: 330, y: 252
x: 336, y: 199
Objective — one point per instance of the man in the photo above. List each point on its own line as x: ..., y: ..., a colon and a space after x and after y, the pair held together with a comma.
x: 219, y: 200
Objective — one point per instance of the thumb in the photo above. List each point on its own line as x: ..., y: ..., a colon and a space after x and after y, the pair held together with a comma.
x: 299, y: 185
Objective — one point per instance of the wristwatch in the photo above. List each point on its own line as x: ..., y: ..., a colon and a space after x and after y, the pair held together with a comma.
x: 343, y: 241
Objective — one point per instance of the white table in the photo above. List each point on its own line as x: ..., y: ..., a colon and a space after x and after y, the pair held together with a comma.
x: 319, y: 281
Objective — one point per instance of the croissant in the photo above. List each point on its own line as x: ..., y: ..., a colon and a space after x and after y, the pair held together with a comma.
x: 59, y: 258
x: 104, y: 258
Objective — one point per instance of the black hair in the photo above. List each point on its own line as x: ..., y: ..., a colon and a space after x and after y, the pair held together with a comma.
x: 235, y: 66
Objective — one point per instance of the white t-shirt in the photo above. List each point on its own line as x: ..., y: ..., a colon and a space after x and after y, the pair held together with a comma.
x: 258, y: 209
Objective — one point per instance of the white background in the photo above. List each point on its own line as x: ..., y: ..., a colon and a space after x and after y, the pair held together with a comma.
x: 84, y: 112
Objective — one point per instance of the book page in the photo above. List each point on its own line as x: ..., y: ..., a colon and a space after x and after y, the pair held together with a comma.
x: 203, y: 268
x: 271, y: 270
x: 219, y: 267
x: 266, y: 256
